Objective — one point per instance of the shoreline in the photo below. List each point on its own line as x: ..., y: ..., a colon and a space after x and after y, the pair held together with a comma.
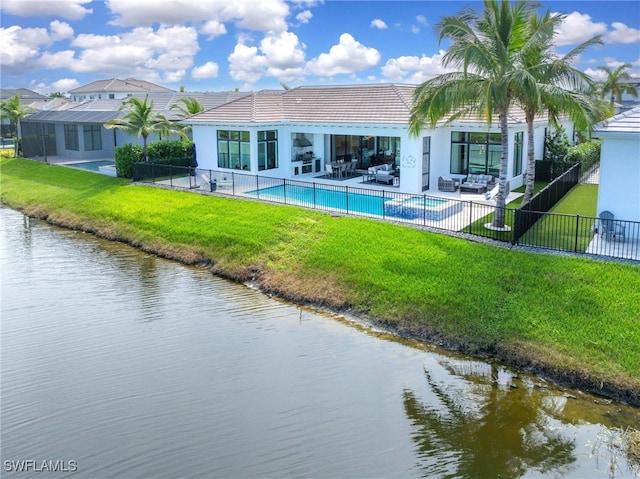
x: 572, y: 321
x: 574, y: 379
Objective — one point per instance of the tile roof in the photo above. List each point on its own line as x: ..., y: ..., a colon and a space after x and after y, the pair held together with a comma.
x: 384, y: 104
x: 107, y: 109
x: 128, y: 85
x: 378, y: 103
x: 625, y: 122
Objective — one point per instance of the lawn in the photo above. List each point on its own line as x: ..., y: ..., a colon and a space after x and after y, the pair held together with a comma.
x: 575, y: 318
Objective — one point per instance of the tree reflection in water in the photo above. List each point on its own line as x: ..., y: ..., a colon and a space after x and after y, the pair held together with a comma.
x: 475, y: 428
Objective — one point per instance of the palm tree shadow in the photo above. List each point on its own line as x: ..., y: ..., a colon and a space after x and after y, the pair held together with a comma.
x: 485, y: 431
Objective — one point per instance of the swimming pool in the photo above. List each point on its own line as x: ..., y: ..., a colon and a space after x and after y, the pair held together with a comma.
x: 385, y: 204
x: 91, y: 165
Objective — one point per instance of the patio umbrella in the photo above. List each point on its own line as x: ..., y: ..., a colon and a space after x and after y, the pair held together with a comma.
x: 194, y: 161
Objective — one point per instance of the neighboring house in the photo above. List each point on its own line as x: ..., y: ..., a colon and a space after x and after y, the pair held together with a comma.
x: 27, y: 97
x: 272, y: 133
x: 619, y: 190
x: 75, y: 130
x: 115, y: 89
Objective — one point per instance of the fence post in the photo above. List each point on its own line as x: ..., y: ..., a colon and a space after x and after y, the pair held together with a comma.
x: 314, y: 195
x: 346, y: 197
x: 470, y: 216
x: 284, y: 190
x: 516, y: 226
x: 383, y: 212
x: 233, y: 184
x: 424, y: 210
x: 575, y: 248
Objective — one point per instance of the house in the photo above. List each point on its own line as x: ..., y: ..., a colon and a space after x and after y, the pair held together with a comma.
x: 115, y: 89
x: 75, y: 130
x: 296, y: 133
x: 619, y: 190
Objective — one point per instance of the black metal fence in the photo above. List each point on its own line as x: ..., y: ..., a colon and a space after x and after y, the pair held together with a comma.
x: 525, y: 226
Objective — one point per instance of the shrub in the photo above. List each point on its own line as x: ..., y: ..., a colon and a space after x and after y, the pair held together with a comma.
x: 556, y: 145
x: 167, y: 152
x: 126, y: 156
x: 587, y: 153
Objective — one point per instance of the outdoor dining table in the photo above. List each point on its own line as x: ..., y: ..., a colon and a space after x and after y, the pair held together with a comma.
x: 339, y: 167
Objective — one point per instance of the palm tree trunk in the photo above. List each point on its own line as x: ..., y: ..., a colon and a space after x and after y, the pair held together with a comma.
x: 501, y: 197
x: 531, y: 164
x: 145, y: 154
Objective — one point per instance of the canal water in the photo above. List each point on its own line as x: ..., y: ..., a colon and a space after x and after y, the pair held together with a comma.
x: 119, y: 364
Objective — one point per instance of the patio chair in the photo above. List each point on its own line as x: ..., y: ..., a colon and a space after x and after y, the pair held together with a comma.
x: 448, y: 184
x: 610, y: 229
x: 329, y: 170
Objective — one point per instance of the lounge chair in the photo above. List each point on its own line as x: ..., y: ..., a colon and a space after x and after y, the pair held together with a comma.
x: 213, y: 184
x: 610, y: 229
x: 448, y: 184
x: 385, y: 174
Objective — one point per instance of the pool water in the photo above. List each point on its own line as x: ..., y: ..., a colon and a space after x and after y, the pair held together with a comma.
x: 340, y: 200
x: 91, y: 165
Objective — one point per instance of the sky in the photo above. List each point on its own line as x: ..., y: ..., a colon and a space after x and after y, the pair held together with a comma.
x: 220, y: 45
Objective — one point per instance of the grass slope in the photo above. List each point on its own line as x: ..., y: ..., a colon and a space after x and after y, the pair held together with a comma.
x: 574, y: 318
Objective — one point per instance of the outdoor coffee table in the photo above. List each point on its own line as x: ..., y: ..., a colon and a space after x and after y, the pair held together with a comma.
x: 477, y: 188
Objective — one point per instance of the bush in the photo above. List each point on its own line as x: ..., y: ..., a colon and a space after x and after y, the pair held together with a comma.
x: 163, y: 152
x: 587, y: 153
x: 167, y: 152
x: 556, y: 145
x: 126, y: 156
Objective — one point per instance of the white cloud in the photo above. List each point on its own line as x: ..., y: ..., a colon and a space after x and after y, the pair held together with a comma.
x: 304, y: 17
x: 143, y: 52
x: 261, y: 15
x: 622, y: 34
x: 213, y: 29
x: 69, y: 9
x: 60, y: 30
x: 21, y: 48
x: 65, y: 84
x: 245, y: 64
x: 422, y: 20
x: 415, y: 29
x: 208, y: 70
x: 379, y: 24
x: 577, y: 28
x: 280, y: 55
x: 413, y: 69
x: 348, y: 56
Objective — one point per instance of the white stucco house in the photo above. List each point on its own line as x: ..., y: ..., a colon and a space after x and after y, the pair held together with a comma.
x: 115, y: 89
x: 619, y: 190
x: 296, y: 133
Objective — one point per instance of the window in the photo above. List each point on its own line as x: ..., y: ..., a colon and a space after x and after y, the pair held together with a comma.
x: 234, y: 150
x: 367, y: 150
x: 267, y: 150
x: 517, y: 153
x: 71, y: 137
x: 92, y: 137
x: 476, y: 153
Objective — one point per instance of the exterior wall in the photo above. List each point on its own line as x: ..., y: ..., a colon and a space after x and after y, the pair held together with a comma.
x: 410, y: 161
x: 620, y: 175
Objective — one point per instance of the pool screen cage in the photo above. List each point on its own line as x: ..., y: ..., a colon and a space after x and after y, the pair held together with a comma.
x: 38, y: 139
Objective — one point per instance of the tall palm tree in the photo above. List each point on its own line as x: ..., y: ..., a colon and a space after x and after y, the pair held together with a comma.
x: 140, y: 120
x: 486, y: 48
x: 614, y: 84
x: 186, y: 107
x: 14, y: 111
x: 550, y: 83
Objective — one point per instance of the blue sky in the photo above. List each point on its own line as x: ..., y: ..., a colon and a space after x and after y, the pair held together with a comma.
x: 205, y: 45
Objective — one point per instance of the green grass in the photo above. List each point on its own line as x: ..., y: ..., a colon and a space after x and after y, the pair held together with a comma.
x: 563, y: 313
x: 567, y: 232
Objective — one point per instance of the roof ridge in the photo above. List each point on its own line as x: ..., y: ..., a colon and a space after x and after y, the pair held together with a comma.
x: 395, y: 89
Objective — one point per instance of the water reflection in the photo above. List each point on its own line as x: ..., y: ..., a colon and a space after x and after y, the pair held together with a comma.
x: 485, y: 430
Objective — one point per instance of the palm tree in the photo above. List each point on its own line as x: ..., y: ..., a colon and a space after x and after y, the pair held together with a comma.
x: 615, y: 84
x: 189, y: 107
x: 140, y: 120
x: 550, y: 83
x: 487, y: 49
x: 14, y: 111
